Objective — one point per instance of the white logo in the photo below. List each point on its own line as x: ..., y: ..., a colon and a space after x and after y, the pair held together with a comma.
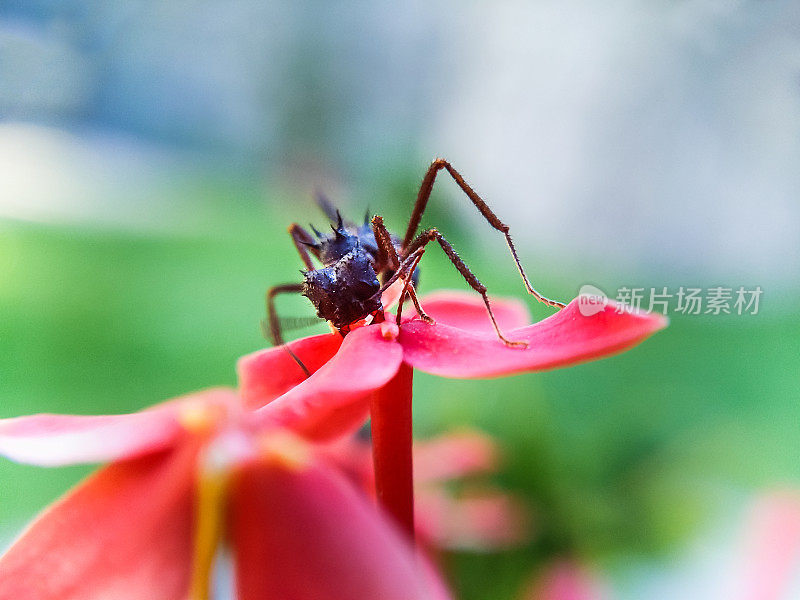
x: 591, y: 300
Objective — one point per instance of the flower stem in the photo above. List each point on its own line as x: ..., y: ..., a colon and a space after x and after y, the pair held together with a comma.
x: 391, y: 447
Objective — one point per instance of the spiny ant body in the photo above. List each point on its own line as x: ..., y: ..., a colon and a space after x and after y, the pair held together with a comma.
x: 346, y: 289
x: 359, y: 263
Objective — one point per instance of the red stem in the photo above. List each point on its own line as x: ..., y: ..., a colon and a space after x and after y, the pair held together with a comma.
x: 391, y: 447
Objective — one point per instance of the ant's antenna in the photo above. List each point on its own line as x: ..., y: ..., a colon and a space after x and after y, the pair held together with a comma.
x: 297, y: 360
x: 325, y: 205
x: 271, y: 326
x: 276, y: 341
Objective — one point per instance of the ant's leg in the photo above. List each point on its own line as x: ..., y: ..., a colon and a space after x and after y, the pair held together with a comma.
x: 273, y: 333
x: 402, y: 271
x: 432, y: 234
x: 405, y: 270
x: 422, y: 201
x: 387, y: 255
x: 387, y: 250
x: 302, y: 240
x: 408, y: 288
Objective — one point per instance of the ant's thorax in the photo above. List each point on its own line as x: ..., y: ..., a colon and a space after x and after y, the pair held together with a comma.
x: 345, y: 239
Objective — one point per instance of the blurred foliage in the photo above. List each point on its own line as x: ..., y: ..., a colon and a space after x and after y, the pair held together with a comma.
x: 615, y: 458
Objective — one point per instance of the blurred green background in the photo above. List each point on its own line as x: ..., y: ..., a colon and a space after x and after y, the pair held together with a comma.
x: 147, y: 180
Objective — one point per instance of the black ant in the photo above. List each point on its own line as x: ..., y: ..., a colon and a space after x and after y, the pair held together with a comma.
x: 359, y: 263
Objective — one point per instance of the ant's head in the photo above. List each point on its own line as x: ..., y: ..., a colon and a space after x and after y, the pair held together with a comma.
x: 346, y: 291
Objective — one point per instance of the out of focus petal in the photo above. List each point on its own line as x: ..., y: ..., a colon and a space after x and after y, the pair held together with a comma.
x: 771, y: 551
x: 453, y: 455
x: 488, y: 521
x: 300, y: 530
x: 53, y: 440
x: 269, y: 373
x: 563, y: 339
x: 124, y: 533
x: 352, y: 457
x: 465, y: 310
x: 565, y: 580
x: 335, y: 400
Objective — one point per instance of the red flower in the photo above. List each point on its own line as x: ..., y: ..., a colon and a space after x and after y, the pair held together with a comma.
x: 461, y: 344
x: 374, y: 365
x: 188, y: 473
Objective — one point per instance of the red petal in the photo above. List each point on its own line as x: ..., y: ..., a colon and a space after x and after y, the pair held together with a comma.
x: 125, y: 533
x: 335, y: 399
x: 267, y: 374
x: 53, y: 440
x: 303, y: 532
x: 454, y: 455
x: 465, y: 310
x: 485, y: 521
x: 563, y: 339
